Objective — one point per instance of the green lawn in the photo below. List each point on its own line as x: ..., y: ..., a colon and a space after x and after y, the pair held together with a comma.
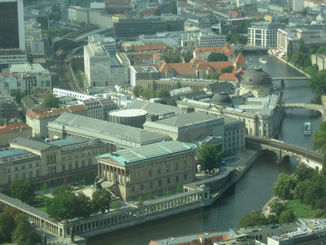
x: 300, y: 210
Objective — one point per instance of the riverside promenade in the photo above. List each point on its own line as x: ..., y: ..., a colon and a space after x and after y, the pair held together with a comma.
x: 196, y: 195
x: 288, y: 63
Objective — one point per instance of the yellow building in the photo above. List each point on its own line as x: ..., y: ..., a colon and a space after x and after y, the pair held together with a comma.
x: 149, y: 169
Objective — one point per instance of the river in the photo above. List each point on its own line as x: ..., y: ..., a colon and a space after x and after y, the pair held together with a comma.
x: 251, y: 192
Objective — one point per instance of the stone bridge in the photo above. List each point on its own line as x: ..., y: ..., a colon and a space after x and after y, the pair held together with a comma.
x: 284, y: 150
x: 290, y: 78
x: 312, y: 107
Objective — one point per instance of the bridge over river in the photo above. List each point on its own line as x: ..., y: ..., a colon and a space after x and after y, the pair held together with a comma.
x: 290, y: 78
x: 312, y: 107
x: 284, y: 150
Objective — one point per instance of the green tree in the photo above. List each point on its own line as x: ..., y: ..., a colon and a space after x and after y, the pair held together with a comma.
x: 321, y: 50
x: 287, y: 216
x: 50, y: 101
x: 64, y: 205
x: 319, y: 139
x: 18, y: 96
x: 209, y: 156
x: 319, y: 213
x: 7, y: 225
x: 277, y: 207
x: 318, y: 83
x: 163, y: 93
x: 171, y: 58
x: 22, y: 190
x: 213, y: 75
x: 304, y: 173
x: 138, y: 90
x: 252, y: 219
x: 178, y: 84
x: 300, y: 190
x: 25, y: 234
x: 172, y: 7
x: 85, y: 209
x: 284, y: 186
x: 101, y: 200
x: 188, y: 56
x: 290, y: 50
x: 148, y: 93
x: 228, y: 69
x: 215, y: 56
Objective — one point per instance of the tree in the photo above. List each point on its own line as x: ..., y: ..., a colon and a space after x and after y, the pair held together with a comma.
x: 215, y: 56
x: 227, y: 69
x: 50, y: 101
x: 148, y: 93
x: 138, y: 90
x: 277, y: 207
x: 303, y: 173
x: 7, y: 225
x: 163, y: 93
x: 209, y: 156
x: 319, y: 138
x: 188, y: 56
x: 25, y: 234
x: 171, y: 58
x: 172, y: 7
x: 64, y: 205
x: 213, y: 75
x: 287, y: 216
x: 284, y: 186
x: 178, y: 84
x: 85, y: 208
x: 321, y: 50
x: 22, y: 190
x: 319, y: 213
x: 300, y: 189
x: 252, y: 219
x: 101, y: 200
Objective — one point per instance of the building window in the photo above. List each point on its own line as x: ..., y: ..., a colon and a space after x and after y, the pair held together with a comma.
x: 24, y: 175
x: 151, y: 185
x: 37, y: 173
x: 9, y: 179
x: 150, y: 172
x: 141, y: 187
x: 159, y: 171
x: 89, y: 161
x: 63, y: 167
x: 168, y: 180
x: 133, y: 189
x: 177, y: 179
x: 30, y: 174
x: 185, y: 176
x: 159, y: 183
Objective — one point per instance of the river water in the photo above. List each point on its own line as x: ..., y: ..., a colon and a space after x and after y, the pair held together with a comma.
x: 255, y: 187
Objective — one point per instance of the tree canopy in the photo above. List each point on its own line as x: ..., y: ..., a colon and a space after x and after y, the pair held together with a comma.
x: 188, y: 56
x: 209, y: 156
x: 318, y: 83
x: 101, y: 200
x: 216, y: 56
x: 171, y: 58
x: 22, y: 190
x: 50, y: 101
x: 287, y: 216
x: 252, y: 219
x: 284, y: 186
x: 319, y: 138
x: 25, y: 234
x: 7, y: 225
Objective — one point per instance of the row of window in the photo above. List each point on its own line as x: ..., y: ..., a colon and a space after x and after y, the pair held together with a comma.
x: 23, y: 167
x: 159, y: 183
x: 24, y: 175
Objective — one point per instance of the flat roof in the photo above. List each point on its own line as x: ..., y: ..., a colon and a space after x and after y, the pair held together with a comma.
x: 11, y: 153
x: 145, y: 153
x: 129, y: 113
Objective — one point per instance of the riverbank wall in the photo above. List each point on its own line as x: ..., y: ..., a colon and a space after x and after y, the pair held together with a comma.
x: 196, y: 195
x: 288, y: 63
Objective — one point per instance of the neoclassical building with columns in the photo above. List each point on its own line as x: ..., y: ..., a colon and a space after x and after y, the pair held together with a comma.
x: 149, y: 169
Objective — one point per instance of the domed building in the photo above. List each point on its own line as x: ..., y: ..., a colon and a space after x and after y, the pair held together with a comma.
x: 221, y: 99
x: 257, y: 82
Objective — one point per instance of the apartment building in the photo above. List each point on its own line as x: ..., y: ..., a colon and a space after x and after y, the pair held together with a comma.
x: 263, y: 34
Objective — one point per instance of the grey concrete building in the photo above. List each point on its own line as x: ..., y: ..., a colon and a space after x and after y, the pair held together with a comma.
x: 116, y: 134
x: 155, y: 110
x: 188, y: 127
x: 263, y: 34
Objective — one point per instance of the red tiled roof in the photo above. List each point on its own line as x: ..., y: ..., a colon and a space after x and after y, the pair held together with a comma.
x: 13, y: 126
x: 179, y: 68
x: 225, y: 49
x: 228, y: 77
x: 219, y: 65
x: 240, y: 60
x: 54, y: 112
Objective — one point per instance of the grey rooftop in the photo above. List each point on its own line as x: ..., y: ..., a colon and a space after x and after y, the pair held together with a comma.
x: 154, y: 108
x: 144, y: 153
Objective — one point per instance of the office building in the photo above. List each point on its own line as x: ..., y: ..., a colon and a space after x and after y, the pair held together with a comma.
x: 263, y: 34
x: 12, y: 24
